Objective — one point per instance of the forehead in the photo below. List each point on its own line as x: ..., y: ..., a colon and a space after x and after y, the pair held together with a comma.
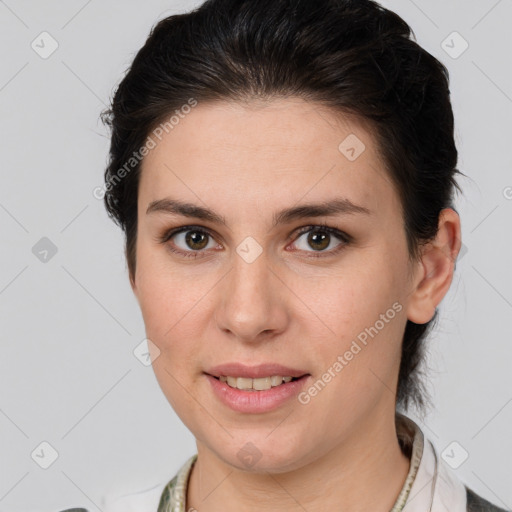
x: 278, y: 151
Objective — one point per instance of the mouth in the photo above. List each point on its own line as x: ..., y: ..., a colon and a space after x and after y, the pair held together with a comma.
x: 246, y: 398
x: 256, y: 384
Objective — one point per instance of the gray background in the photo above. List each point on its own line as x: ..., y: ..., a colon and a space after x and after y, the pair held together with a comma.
x: 70, y: 324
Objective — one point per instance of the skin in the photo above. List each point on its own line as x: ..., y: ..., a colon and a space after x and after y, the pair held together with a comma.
x: 246, y: 162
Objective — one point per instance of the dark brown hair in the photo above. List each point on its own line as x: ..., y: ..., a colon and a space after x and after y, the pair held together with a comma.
x: 353, y: 56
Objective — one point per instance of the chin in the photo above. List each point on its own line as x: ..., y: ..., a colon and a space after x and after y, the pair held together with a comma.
x: 260, y: 454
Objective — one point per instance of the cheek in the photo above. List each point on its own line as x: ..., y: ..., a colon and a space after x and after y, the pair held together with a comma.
x: 162, y: 289
x: 168, y: 316
x: 171, y: 323
x: 362, y: 317
x: 347, y: 302
x: 175, y: 310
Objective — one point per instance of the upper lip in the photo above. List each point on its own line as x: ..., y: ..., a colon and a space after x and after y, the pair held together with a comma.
x: 254, y: 372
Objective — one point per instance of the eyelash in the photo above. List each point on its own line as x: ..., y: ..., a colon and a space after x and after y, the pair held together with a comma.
x: 321, y: 228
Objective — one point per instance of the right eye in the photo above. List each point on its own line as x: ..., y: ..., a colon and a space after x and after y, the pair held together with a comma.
x: 189, y: 241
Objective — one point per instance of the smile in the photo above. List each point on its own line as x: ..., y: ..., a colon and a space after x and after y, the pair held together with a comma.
x: 260, y: 384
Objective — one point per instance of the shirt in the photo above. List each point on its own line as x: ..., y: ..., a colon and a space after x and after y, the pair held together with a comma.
x: 430, y: 485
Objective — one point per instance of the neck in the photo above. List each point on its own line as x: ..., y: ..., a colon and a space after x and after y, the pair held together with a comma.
x: 366, y: 471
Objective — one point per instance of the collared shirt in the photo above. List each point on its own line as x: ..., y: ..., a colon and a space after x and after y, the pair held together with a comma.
x: 430, y: 485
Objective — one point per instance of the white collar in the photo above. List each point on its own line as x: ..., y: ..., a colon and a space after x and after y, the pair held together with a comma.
x: 435, y: 488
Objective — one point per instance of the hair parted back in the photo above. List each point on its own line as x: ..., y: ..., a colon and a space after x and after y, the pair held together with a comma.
x: 353, y: 56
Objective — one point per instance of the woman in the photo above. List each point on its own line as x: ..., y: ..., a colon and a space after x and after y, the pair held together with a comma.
x: 284, y: 173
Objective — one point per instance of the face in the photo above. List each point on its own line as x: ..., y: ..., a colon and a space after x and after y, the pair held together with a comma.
x: 325, y: 292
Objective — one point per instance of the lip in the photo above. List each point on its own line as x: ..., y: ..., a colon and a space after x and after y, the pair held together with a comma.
x: 254, y: 372
x: 256, y: 401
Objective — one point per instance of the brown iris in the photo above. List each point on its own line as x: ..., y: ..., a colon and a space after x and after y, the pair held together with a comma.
x: 196, y: 240
x: 318, y: 238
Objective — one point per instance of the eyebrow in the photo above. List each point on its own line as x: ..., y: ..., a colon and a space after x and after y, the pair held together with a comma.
x: 338, y: 206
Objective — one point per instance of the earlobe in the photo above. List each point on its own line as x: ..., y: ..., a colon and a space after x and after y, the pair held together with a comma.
x: 435, y: 270
x: 420, y: 309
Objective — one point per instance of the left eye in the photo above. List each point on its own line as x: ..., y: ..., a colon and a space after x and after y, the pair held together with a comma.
x: 194, y: 239
x: 320, y: 238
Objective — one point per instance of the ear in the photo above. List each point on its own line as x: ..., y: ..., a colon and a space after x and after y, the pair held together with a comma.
x: 434, y: 273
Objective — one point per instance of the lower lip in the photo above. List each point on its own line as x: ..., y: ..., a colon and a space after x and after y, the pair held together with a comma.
x: 256, y: 401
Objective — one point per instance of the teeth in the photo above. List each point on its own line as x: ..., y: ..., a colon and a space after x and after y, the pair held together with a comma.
x: 243, y: 383
x: 260, y: 384
x: 231, y: 381
x: 276, y: 380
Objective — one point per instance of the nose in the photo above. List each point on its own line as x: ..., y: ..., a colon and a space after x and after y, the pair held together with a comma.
x: 252, y: 301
